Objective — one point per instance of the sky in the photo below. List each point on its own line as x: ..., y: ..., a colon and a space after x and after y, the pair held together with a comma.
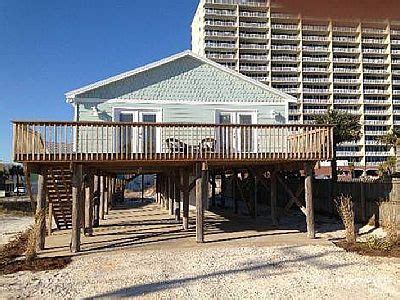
x: 49, y: 47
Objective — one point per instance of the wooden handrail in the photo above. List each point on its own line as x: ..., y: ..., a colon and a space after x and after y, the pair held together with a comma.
x: 110, y: 141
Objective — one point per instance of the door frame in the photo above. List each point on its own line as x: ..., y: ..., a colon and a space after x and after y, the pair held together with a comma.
x: 137, y: 116
x: 235, y: 113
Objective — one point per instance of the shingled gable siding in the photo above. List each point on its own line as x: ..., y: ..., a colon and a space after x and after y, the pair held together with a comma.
x: 194, y: 89
x: 185, y: 79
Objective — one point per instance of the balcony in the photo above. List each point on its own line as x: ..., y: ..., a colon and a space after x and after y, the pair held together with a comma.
x: 315, y: 49
x: 221, y: 56
x: 375, y: 122
x: 220, y: 45
x: 344, y: 29
x: 373, y: 41
x: 285, y: 79
x: 285, y: 27
x: 376, y: 101
x: 346, y: 70
x: 253, y: 24
x: 315, y: 70
x: 345, y: 50
x: 347, y: 101
x: 316, y: 80
x: 219, y: 23
x: 253, y: 14
x: 375, y: 92
x: 349, y: 111
x: 285, y: 48
x: 284, y: 37
x: 375, y: 81
x: 282, y: 16
x: 375, y: 132
x: 254, y: 68
x: 221, y: 12
x: 285, y: 69
x: 346, y: 80
x: 254, y: 57
x: 316, y: 59
x: 395, y: 51
x: 222, y: 34
x: 377, y: 61
x: 102, y: 142
x: 254, y: 36
x: 374, y: 30
x: 316, y: 101
x: 348, y: 153
x: 374, y: 50
x: 378, y: 153
x: 315, y: 38
x: 315, y: 28
x: 346, y: 60
x: 344, y: 39
x: 285, y: 58
x: 376, y: 112
x: 375, y: 71
x: 315, y: 91
x: 254, y: 46
x: 346, y: 91
x: 315, y: 111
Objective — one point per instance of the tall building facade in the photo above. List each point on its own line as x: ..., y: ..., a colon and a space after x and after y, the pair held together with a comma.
x: 349, y: 66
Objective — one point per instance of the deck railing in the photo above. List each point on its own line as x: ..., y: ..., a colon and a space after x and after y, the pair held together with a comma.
x: 112, y: 141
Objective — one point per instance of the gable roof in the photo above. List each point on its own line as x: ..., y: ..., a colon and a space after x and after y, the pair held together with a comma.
x: 72, y: 95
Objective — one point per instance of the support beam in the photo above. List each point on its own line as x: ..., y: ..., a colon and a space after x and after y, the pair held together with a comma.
x: 213, y: 186
x: 142, y: 187
x: 255, y: 196
x: 106, y: 193
x: 96, y: 196
x: 185, y: 197
x: 171, y: 194
x: 89, y: 206
x: 102, y: 197
x: 76, y: 208
x: 308, y: 185
x: 177, y: 196
x: 40, y: 219
x: 235, y: 200
x: 201, y: 198
x: 274, y: 197
x: 293, y: 196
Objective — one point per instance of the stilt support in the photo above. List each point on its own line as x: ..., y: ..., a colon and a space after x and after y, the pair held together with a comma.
x: 308, y: 185
x: 76, y: 208
x: 201, y: 198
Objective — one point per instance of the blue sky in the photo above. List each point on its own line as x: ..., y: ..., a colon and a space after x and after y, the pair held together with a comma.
x: 50, y: 47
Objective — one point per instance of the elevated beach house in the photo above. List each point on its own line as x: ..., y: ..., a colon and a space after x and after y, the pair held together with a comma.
x: 185, y: 119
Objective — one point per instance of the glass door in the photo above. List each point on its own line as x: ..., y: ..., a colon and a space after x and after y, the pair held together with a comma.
x: 236, y: 138
x: 148, y: 137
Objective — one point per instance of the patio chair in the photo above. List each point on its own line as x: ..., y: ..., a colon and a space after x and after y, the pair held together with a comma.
x: 208, y: 145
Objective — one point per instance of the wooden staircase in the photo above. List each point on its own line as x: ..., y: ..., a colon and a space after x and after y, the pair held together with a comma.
x: 59, y: 195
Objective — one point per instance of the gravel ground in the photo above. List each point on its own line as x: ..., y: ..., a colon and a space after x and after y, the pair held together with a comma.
x: 206, y: 272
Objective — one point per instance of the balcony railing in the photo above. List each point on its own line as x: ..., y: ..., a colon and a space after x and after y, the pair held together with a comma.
x: 110, y: 141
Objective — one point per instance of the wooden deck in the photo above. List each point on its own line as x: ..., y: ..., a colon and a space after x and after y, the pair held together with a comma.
x: 144, y: 142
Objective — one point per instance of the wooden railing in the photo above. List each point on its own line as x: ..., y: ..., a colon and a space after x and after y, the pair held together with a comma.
x: 111, y: 141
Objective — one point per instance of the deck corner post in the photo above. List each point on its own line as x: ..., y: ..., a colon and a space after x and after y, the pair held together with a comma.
x: 89, y: 201
x: 171, y: 193
x: 308, y: 185
x: 274, y: 196
x: 40, y: 218
x: 96, y: 200
x: 201, y: 198
x: 185, y: 197
x: 102, y: 196
x: 76, y: 208
x: 177, y: 196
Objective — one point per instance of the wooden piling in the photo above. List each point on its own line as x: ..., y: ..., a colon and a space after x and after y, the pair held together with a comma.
x: 102, y: 197
x: 40, y: 219
x: 106, y: 193
x: 274, y: 196
x: 185, y: 197
x: 177, y: 196
x: 308, y: 185
x: 201, y: 198
x: 96, y: 195
x: 171, y: 193
x: 76, y: 208
x: 89, y: 206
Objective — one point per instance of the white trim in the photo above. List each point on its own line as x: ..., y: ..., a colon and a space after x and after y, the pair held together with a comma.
x: 118, y: 109
x: 70, y: 96
x: 142, y: 101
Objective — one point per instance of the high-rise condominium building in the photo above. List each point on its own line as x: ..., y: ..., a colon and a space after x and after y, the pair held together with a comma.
x: 350, y: 66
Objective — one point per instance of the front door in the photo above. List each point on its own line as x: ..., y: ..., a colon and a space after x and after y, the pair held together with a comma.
x: 236, y: 139
x: 139, y: 139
